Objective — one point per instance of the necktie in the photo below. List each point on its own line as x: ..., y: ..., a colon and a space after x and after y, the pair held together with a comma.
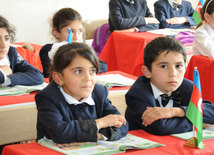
x: 176, y: 6
x: 175, y: 96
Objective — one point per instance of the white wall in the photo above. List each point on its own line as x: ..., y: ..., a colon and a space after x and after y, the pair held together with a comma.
x: 31, y: 17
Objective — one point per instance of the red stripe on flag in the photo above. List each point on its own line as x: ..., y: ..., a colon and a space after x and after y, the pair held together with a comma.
x: 196, y: 98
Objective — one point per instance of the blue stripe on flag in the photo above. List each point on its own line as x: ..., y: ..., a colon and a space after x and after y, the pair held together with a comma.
x: 202, y: 2
x: 197, y: 80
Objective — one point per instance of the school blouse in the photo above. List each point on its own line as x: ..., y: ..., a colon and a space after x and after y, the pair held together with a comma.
x: 204, y: 41
x: 23, y: 72
x: 65, y: 123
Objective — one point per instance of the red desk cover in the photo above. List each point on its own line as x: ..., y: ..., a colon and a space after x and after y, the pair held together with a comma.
x: 173, y: 146
x: 205, y: 68
x: 124, y: 51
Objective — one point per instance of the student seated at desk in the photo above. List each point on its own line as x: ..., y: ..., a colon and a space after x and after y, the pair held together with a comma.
x: 73, y: 108
x: 131, y: 16
x: 175, y: 14
x: 62, y: 20
x: 14, y: 70
x: 164, y: 69
x: 204, y: 35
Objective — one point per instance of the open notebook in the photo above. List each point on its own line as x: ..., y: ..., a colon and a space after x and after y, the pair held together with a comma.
x: 20, y: 89
x: 103, y: 147
x: 112, y: 80
x: 207, y: 133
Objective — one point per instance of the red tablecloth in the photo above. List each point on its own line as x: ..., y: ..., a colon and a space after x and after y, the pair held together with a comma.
x: 205, y: 68
x: 124, y: 51
x: 173, y: 146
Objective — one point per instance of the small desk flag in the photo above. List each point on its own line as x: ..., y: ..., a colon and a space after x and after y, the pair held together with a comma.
x: 195, y: 113
x: 196, y: 14
x: 69, y: 39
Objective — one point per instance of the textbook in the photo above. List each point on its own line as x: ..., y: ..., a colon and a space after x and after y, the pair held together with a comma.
x: 207, y: 133
x: 20, y: 89
x: 103, y: 147
x: 112, y: 80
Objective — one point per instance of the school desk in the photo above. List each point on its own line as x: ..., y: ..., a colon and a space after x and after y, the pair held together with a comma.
x: 124, y: 51
x: 18, y: 114
x: 173, y: 146
x: 205, y: 68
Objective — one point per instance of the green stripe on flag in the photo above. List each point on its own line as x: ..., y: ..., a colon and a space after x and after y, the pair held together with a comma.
x: 196, y: 17
x: 195, y: 116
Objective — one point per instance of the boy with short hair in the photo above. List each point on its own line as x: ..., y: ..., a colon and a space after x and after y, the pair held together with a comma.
x: 164, y: 69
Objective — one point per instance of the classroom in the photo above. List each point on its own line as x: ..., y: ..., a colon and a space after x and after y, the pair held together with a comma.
x: 122, y: 69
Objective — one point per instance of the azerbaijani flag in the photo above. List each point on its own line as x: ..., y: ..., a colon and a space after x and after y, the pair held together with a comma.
x: 69, y: 39
x: 195, y: 111
x: 196, y: 14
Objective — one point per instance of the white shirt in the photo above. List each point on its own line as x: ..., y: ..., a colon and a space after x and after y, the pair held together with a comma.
x: 204, y: 41
x: 157, y: 93
x: 72, y: 100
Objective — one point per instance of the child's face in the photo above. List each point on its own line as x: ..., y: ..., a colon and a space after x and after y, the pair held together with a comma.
x: 4, y: 42
x: 167, y: 72
x: 76, y: 29
x: 78, y: 79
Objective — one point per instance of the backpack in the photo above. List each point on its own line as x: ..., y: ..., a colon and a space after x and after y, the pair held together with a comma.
x: 186, y: 38
x: 101, y: 36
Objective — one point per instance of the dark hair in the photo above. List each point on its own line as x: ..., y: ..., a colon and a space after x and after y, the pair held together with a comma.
x: 207, y: 7
x: 161, y: 44
x: 10, y: 29
x: 66, y: 54
x: 63, y: 17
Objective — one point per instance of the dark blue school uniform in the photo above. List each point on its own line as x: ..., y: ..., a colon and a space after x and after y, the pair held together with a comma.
x: 66, y: 123
x: 163, y: 10
x: 45, y: 60
x: 124, y: 15
x: 23, y: 72
x: 140, y: 96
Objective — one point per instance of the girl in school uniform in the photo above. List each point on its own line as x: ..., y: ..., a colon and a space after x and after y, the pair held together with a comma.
x: 204, y: 36
x: 62, y: 20
x: 73, y: 108
x: 14, y: 70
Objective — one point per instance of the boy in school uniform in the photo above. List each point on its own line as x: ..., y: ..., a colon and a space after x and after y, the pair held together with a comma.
x: 131, y: 16
x: 164, y: 69
x: 176, y: 14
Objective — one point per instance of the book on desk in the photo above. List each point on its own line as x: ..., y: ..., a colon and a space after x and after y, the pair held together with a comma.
x: 208, y: 133
x: 103, y: 147
x: 114, y: 80
x: 20, y: 89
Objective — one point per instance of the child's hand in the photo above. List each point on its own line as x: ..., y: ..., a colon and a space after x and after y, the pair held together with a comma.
x: 206, y: 125
x: 111, y: 120
x: 152, y: 114
x: 151, y: 20
x: 176, y: 20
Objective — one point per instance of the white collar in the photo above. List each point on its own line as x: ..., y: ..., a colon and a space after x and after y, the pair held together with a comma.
x: 156, y: 91
x: 5, y: 61
x: 171, y: 2
x: 72, y: 100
